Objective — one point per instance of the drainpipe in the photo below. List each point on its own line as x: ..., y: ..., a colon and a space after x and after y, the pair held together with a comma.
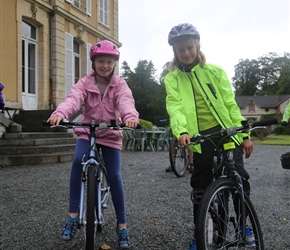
x: 51, y: 105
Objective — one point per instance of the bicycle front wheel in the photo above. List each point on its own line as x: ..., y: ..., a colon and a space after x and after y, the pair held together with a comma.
x: 178, y: 158
x: 90, y: 209
x: 219, y: 224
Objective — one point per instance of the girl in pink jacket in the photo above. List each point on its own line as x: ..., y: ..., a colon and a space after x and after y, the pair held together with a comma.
x: 104, y: 97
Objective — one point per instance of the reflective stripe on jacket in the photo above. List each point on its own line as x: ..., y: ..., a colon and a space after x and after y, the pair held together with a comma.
x: 215, y: 88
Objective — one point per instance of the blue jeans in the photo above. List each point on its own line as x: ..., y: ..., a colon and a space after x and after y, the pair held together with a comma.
x: 112, y: 158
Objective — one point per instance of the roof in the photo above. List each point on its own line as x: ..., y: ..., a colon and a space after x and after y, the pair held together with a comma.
x: 268, y: 101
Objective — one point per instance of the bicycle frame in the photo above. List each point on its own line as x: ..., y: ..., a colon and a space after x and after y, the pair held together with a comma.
x: 100, y: 170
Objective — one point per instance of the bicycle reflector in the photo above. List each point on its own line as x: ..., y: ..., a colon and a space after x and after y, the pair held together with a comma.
x: 229, y: 145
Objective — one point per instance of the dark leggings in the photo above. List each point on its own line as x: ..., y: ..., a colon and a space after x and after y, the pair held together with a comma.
x: 112, y: 158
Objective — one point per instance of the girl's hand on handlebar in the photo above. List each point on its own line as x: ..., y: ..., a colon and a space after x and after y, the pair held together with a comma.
x: 54, y: 120
x: 184, y: 140
x: 131, y: 124
x: 247, y: 148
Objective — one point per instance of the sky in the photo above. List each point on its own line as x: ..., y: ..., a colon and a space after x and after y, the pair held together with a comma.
x: 230, y: 30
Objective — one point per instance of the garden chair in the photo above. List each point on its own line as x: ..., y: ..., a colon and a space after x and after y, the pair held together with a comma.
x: 128, y: 139
x: 163, y: 140
x: 140, y: 139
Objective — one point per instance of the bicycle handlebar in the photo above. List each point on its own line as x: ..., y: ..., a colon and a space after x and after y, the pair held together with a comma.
x: 224, y: 132
x: 92, y: 124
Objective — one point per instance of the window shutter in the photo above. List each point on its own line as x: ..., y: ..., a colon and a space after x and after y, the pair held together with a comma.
x: 69, y: 64
x: 89, y: 7
x: 107, y: 11
x: 101, y: 13
x: 89, y: 63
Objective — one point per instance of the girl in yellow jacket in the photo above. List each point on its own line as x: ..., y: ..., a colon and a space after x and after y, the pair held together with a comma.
x: 200, y: 100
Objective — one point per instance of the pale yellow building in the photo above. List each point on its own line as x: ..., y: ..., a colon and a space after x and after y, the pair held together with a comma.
x: 44, y: 47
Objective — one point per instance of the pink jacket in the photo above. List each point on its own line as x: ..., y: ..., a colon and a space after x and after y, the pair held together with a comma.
x: 117, y: 104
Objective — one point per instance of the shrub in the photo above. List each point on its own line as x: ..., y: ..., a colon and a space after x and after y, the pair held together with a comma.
x: 146, y: 124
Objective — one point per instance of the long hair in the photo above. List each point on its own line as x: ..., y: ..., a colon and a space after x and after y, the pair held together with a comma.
x: 200, y: 57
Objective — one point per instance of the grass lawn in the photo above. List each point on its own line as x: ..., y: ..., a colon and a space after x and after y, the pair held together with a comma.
x: 273, y: 140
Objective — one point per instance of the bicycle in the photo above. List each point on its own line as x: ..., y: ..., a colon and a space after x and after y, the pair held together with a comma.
x: 178, y: 155
x: 225, y: 210
x: 95, y: 189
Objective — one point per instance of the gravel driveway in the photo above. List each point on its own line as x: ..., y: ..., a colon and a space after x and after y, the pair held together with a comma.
x: 34, y: 202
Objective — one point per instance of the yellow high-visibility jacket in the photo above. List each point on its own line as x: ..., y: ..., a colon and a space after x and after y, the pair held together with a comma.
x: 286, y: 115
x: 215, y: 88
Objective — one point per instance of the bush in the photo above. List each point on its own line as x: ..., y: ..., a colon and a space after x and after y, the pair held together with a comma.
x: 146, y: 124
x: 280, y: 130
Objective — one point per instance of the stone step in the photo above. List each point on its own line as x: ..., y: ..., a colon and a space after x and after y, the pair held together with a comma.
x: 37, y: 142
x: 30, y: 148
x: 40, y: 149
x: 34, y: 159
x: 37, y: 135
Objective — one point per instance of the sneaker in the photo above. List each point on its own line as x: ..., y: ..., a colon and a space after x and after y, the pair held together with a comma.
x: 191, y: 168
x: 250, y: 238
x: 123, y: 238
x: 70, y: 228
x: 192, y: 244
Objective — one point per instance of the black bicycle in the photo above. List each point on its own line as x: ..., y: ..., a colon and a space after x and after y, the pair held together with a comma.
x: 178, y: 155
x: 95, y: 190
x: 225, y: 210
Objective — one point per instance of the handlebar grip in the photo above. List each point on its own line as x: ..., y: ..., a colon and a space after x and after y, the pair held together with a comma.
x: 266, y: 122
x: 122, y: 125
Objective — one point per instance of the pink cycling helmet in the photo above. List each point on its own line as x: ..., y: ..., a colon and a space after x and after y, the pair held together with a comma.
x: 181, y: 30
x: 104, y: 47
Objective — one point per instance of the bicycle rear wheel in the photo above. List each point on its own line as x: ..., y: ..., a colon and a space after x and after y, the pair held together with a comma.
x: 178, y: 158
x: 90, y: 207
x: 219, y: 218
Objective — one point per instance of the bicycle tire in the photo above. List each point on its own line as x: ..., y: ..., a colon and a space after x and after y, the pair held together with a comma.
x: 218, y: 226
x: 178, y: 157
x: 90, y: 212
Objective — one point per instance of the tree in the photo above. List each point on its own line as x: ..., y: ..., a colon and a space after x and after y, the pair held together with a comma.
x: 266, y: 75
x: 246, y: 79
x: 149, y: 95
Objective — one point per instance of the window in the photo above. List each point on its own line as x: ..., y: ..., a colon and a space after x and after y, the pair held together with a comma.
x: 29, y: 44
x: 83, y: 5
x: 104, y: 12
x: 251, y: 107
x: 77, y: 59
x: 29, y: 66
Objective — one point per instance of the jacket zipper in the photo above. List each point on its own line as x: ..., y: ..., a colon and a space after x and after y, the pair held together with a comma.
x: 208, y: 99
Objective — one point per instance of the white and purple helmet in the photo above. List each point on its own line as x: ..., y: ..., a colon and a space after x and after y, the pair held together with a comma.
x: 182, y: 30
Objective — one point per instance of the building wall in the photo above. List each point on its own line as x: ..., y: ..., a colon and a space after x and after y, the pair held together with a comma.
x: 53, y: 18
x: 256, y: 115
